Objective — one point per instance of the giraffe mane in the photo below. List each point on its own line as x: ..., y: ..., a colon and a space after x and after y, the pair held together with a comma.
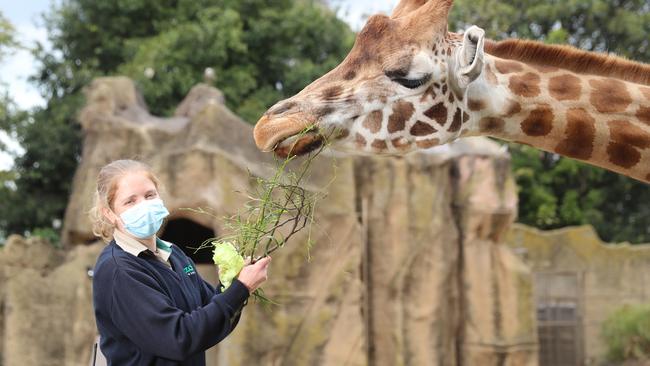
x: 570, y: 58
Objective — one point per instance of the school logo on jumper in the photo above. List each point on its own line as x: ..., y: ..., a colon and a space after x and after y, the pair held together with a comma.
x: 189, y: 270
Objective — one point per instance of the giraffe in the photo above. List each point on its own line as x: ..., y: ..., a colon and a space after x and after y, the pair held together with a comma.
x: 408, y: 84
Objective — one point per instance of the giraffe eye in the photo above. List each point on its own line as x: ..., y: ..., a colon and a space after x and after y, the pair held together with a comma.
x: 413, y: 83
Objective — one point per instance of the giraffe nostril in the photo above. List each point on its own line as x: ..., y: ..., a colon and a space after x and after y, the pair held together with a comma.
x: 282, y: 108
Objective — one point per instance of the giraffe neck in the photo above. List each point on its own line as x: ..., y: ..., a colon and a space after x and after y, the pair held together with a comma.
x: 600, y: 120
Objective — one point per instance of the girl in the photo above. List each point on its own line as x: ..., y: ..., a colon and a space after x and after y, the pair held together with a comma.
x: 151, y: 306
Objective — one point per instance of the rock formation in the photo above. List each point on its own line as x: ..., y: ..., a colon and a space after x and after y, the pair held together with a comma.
x: 574, y: 269
x: 407, y: 266
x: 47, y: 317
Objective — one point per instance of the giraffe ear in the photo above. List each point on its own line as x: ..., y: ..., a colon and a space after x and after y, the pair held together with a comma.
x: 471, y: 53
x: 467, y: 63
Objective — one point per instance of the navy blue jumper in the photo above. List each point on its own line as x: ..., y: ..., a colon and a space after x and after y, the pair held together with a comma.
x: 148, y: 313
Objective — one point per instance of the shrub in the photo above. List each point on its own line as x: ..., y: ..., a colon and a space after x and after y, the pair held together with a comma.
x: 626, y: 333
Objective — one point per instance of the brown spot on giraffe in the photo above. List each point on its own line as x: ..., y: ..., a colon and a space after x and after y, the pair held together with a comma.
x: 625, y: 139
x: 491, y: 125
x: 422, y: 129
x: 489, y: 74
x: 526, y: 85
x: 465, y: 117
x: 429, y: 92
x: 609, y: 95
x: 323, y: 111
x: 451, y: 97
x: 350, y: 98
x: 444, y: 89
x: 379, y: 144
x: 475, y: 104
x: 623, y: 155
x: 349, y: 75
x: 400, y: 143
x: 564, y: 87
x: 342, y: 133
x: 579, y: 137
x: 629, y: 134
x: 425, y: 144
x: 438, y: 113
x: 332, y: 92
x: 456, y: 122
x: 507, y: 67
x: 359, y: 140
x: 373, y: 121
x: 643, y: 114
x: 539, y: 122
x: 402, y: 112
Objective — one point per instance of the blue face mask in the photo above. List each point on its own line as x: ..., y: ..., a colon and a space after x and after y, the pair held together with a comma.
x: 144, y: 219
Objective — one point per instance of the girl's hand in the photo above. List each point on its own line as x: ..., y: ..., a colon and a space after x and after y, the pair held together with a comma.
x: 253, y: 275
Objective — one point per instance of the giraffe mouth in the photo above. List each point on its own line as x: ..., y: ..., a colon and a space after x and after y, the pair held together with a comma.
x: 287, y: 136
x: 299, y: 144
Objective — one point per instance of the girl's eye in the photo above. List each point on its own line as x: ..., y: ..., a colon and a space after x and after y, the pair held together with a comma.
x: 413, y: 83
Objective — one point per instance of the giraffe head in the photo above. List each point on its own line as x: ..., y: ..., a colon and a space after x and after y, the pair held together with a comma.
x: 399, y: 89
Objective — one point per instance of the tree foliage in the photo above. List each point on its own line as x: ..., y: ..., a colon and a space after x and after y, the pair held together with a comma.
x: 7, y: 37
x: 262, y: 51
x: 555, y: 191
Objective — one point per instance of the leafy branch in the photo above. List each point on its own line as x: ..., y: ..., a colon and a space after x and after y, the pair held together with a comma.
x: 277, y: 209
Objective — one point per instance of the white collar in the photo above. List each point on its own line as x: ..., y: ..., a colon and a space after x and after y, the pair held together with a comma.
x: 132, y: 246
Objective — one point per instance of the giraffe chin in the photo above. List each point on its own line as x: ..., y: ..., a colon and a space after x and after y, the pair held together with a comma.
x: 299, y: 145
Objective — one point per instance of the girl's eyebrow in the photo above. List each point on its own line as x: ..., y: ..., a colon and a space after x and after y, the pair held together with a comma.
x: 128, y: 198
x: 150, y: 191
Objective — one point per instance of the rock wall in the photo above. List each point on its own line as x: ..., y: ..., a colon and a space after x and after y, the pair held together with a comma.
x: 606, y: 276
x: 407, y: 267
x: 47, y: 316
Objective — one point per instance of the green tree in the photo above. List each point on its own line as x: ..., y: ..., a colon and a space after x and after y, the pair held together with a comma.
x: 261, y: 51
x: 7, y: 45
x: 555, y: 191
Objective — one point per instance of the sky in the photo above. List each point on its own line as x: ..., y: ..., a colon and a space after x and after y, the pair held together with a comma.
x: 26, y: 18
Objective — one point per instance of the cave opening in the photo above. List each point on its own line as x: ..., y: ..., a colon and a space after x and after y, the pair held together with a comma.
x: 189, y: 235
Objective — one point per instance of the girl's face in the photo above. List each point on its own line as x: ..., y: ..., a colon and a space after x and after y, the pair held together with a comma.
x: 132, y: 188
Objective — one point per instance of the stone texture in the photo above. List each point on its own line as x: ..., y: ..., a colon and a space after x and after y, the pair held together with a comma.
x: 407, y: 266
x: 608, y: 276
x: 47, y: 313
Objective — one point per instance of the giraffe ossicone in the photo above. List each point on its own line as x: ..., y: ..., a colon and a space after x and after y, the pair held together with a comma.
x: 409, y: 84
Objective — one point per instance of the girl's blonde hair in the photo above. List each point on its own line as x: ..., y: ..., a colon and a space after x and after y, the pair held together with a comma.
x: 107, y: 180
